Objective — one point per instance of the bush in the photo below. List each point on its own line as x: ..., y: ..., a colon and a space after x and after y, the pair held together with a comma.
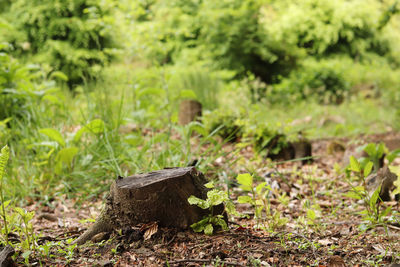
x: 22, y: 87
x: 71, y: 36
x: 324, y: 28
x: 323, y: 80
x: 227, y: 126
x: 221, y: 34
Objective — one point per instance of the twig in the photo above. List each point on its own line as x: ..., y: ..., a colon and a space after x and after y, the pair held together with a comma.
x: 206, y: 261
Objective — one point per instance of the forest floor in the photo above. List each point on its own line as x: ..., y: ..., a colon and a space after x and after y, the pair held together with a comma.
x: 333, y: 236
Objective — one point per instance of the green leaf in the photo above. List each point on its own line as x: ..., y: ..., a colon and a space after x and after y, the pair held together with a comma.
x: 246, y: 181
x: 368, y: 168
x: 54, y: 135
x: 198, y: 202
x: 245, y: 199
x: 60, y: 75
x: 354, y: 164
x: 393, y: 155
x: 374, y: 197
x: 209, y: 185
x: 216, y: 197
x: 221, y: 222
x: 66, y: 155
x: 352, y: 194
x: 200, y: 225
x: 208, y: 230
x: 230, y: 208
x: 370, y: 149
x: 20, y: 211
x: 260, y: 187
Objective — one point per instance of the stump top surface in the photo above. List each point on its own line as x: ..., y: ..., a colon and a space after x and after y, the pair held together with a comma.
x: 144, y: 179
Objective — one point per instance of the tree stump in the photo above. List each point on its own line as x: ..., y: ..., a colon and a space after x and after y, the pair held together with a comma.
x: 159, y: 196
x: 5, y: 257
x: 189, y: 110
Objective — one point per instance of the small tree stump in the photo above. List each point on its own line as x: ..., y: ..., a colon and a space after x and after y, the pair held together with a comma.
x: 159, y: 196
x: 189, y: 110
x: 5, y: 257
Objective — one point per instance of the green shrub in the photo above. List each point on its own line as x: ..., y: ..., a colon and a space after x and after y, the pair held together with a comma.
x: 227, y: 126
x: 22, y: 87
x: 72, y: 36
x: 323, y: 80
x: 221, y: 34
x: 323, y: 27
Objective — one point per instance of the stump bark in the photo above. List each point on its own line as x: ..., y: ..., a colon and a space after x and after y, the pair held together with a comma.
x: 189, y: 110
x: 5, y: 257
x: 159, y: 196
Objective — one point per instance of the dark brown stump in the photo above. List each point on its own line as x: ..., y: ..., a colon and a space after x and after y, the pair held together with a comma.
x: 159, y: 196
x: 5, y: 257
x: 189, y: 110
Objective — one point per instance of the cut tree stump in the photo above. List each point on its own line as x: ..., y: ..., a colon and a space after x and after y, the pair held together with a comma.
x: 159, y: 196
x: 189, y: 110
x: 5, y: 257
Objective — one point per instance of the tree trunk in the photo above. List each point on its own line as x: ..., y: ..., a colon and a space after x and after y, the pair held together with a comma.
x: 189, y: 110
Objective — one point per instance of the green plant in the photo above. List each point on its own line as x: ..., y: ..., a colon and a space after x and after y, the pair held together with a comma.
x: 74, y: 37
x: 259, y: 200
x: 224, y: 125
x: 3, y: 162
x: 215, y: 197
x: 371, y: 202
x: 375, y: 154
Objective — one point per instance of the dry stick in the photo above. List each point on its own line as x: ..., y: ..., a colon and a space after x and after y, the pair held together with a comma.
x: 206, y: 261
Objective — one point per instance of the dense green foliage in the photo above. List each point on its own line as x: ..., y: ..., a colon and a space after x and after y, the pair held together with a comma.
x: 74, y: 37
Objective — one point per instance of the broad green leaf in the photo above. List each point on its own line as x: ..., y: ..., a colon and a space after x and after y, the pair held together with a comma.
x: 200, y: 225
x: 245, y: 199
x: 368, y: 168
x: 216, y: 197
x: 381, y: 150
x: 198, y: 202
x: 209, y: 185
x: 54, y: 135
x: 208, y: 230
x: 221, y: 222
x: 354, y: 164
x: 66, y: 155
x: 246, y: 181
x: 370, y: 149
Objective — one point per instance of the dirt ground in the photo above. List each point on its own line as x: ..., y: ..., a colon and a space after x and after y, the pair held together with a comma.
x: 334, y: 238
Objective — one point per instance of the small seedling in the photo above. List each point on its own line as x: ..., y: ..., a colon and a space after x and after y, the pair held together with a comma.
x: 215, y: 197
x: 371, y: 201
